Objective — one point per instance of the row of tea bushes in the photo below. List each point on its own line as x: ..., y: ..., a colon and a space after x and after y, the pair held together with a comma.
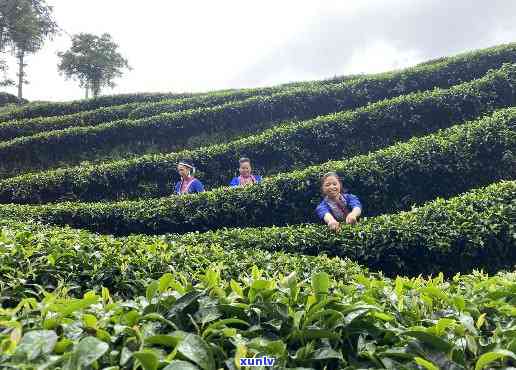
x: 494, y: 57
x: 167, y: 132
x: 474, y: 230
x: 48, y: 109
x: 12, y: 129
x: 18, y: 128
x: 283, y: 148
x: 442, y: 164
x: 151, y: 102
x: 35, y: 256
x: 363, y: 322
x: 145, y: 105
x: 482, y: 60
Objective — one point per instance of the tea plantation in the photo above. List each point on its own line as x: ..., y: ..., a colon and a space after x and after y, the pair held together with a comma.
x: 102, y: 266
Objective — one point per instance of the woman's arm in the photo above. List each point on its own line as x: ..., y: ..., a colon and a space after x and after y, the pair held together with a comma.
x: 332, y: 223
x: 323, y: 211
x: 352, y: 217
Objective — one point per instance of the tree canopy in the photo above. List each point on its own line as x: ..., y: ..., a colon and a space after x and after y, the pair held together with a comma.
x: 24, y: 27
x: 93, y: 60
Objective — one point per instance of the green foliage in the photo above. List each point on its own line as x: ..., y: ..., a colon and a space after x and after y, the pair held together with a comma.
x: 12, y: 129
x: 35, y: 257
x: 391, y: 179
x: 365, y: 322
x: 27, y: 24
x: 502, y: 54
x: 46, y: 109
x: 282, y: 148
x: 169, y: 132
x: 474, y: 230
x: 24, y: 26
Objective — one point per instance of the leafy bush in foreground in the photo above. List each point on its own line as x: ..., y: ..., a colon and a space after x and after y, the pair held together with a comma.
x: 442, y: 164
x: 364, y: 322
x: 35, y: 257
x: 169, y: 132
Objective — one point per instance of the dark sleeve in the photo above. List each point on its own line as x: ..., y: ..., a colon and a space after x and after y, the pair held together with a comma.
x: 176, y: 188
x: 322, y: 209
x: 234, y: 182
x: 353, y: 201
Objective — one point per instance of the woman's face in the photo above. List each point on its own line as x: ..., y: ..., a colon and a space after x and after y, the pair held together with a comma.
x: 245, y: 169
x: 183, y: 170
x: 331, y: 187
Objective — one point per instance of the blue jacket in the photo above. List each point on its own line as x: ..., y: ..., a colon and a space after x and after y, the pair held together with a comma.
x: 352, y: 201
x: 236, y: 182
x: 195, y: 187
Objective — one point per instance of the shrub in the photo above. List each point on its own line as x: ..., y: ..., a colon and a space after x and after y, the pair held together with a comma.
x: 474, y: 230
x: 441, y: 164
x: 46, y: 109
x: 280, y: 149
x: 13, y: 129
x: 363, y: 322
x: 7, y: 99
x: 170, y: 131
x: 47, y: 256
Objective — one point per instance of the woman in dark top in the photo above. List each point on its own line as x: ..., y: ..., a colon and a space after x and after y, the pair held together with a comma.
x: 246, y: 177
x: 337, y: 206
x: 188, y: 183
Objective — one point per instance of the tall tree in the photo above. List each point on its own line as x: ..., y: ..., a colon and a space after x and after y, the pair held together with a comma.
x: 6, y: 11
x: 24, y: 26
x: 94, y: 61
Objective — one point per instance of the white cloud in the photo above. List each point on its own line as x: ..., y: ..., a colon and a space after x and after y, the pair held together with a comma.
x: 204, y: 45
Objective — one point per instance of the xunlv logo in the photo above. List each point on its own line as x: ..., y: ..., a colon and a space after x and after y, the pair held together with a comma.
x: 257, y: 361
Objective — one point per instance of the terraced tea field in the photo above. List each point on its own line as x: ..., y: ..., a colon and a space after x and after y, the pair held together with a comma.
x: 103, y: 266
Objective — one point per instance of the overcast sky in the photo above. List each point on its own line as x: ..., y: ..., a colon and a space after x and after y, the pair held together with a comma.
x: 201, y: 45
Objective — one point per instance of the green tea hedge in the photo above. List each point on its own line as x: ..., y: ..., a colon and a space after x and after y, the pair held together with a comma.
x: 214, y: 99
x: 474, y: 230
x: 367, y: 322
x: 13, y: 129
x: 151, y: 100
x: 443, y: 164
x: 483, y: 59
x: 170, y: 132
x: 17, y: 128
x: 280, y: 149
x: 46, y: 109
x: 34, y: 255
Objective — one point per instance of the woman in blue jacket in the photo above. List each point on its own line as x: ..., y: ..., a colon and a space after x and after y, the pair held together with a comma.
x: 337, y: 206
x: 246, y: 177
x: 188, y: 183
